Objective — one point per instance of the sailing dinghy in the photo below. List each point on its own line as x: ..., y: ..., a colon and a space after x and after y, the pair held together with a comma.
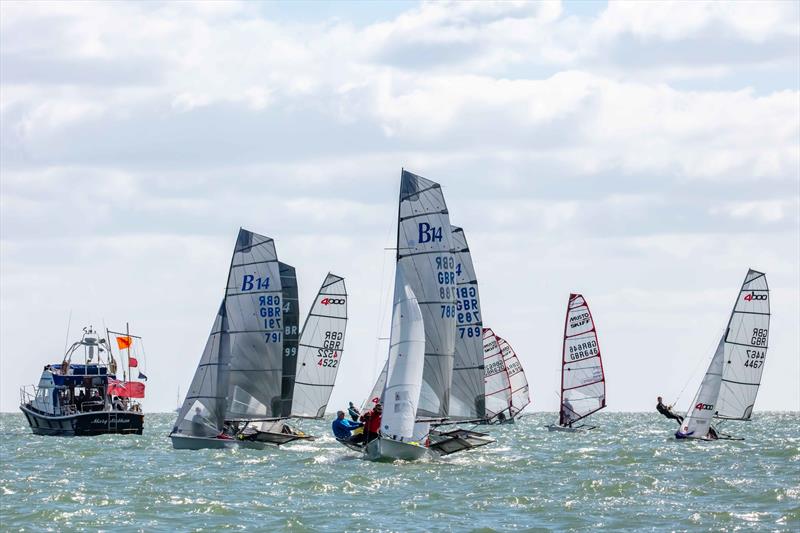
x: 507, y: 390
x: 425, y: 268
x: 583, y: 382
x: 729, y: 388
x: 236, y: 398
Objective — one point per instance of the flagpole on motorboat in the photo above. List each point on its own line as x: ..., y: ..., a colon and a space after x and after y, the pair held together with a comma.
x: 128, y: 336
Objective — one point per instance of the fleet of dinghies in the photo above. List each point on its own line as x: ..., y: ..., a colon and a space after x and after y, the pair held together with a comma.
x: 261, y: 373
x: 255, y: 372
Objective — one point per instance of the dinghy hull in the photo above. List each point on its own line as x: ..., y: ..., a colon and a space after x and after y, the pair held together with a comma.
x: 391, y: 450
x: 181, y: 442
x: 457, y: 440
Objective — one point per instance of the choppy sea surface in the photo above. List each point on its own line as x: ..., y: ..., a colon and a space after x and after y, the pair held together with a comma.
x: 629, y: 474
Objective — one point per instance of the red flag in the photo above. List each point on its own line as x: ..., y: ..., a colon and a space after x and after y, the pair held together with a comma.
x: 124, y: 342
x: 133, y: 362
x: 125, y: 389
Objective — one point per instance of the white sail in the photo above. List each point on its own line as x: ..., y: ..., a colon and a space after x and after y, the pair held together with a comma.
x: 496, y: 383
x: 376, y: 394
x: 467, y: 393
x: 746, y: 342
x: 731, y: 383
x: 583, y: 387
x: 253, y: 302
x: 406, y: 362
x: 203, y: 410
x: 321, y: 347
x: 520, y: 392
x: 425, y: 249
x: 698, y: 419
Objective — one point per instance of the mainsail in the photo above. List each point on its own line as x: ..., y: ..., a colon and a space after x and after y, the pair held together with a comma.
x: 520, y: 392
x: 425, y: 251
x: 730, y: 385
x: 291, y: 335
x: 321, y: 347
x: 467, y: 393
x: 253, y: 306
x: 583, y: 386
x: 746, y: 342
x: 202, y: 413
x: 496, y: 383
x: 405, y: 362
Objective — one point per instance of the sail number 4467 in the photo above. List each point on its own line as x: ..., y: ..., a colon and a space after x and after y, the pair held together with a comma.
x: 755, y: 358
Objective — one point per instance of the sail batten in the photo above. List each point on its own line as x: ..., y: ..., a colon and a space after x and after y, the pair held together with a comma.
x: 583, y: 389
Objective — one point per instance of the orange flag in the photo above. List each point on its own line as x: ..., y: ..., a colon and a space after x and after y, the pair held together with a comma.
x: 124, y: 342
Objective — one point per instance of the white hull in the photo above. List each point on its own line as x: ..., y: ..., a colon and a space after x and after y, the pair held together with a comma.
x: 180, y: 442
x: 382, y: 449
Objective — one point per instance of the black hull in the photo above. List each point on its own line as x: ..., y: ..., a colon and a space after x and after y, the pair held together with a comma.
x: 85, y: 424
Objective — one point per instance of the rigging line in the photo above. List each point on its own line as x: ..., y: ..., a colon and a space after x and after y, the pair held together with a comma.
x: 694, y: 370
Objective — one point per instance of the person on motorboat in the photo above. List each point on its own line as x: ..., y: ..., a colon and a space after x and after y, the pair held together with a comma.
x: 353, y: 412
x: 372, y: 423
x: 117, y: 403
x: 666, y: 410
x: 342, y: 427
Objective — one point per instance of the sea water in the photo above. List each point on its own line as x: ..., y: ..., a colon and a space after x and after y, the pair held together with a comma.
x: 628, y: 474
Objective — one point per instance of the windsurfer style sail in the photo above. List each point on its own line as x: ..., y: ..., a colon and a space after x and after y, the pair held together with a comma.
x: 729, y: 388
x: 583, y: 383
x: 507, y: 390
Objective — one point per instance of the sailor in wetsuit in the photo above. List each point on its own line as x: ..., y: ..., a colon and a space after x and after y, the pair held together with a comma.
x: 666, y: 410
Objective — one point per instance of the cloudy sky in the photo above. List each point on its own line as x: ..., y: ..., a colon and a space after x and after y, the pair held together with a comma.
x: 645, y: 154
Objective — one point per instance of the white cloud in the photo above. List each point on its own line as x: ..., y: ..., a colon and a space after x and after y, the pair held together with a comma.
x: 137, y: 137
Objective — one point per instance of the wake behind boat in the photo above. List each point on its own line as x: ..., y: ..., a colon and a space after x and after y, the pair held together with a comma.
x: 84, y: 397
x: 729, y: 388
x: 583, y: 382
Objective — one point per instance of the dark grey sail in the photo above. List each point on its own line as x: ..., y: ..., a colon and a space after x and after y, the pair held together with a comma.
x: 203, y: 411
x: 467, y: 400
x: 425, y: 249
x: 291, y: 335
x: 255, y: 316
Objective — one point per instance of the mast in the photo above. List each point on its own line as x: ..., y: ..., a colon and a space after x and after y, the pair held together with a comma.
x: 583, y: 389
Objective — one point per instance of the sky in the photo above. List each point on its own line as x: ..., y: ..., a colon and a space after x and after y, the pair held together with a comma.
x: 643, y: 154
